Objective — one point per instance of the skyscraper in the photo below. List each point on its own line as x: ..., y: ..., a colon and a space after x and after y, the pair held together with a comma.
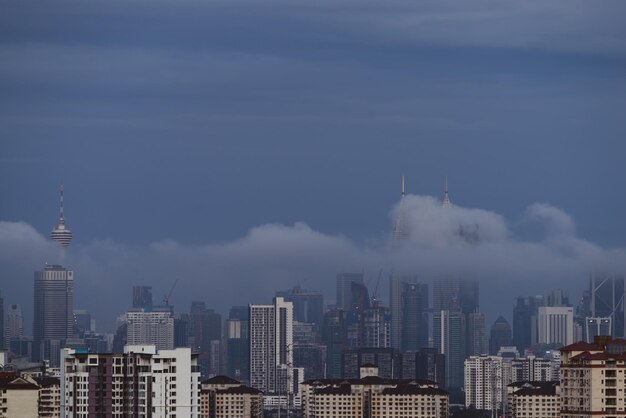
x: 61, y: 233
x: 15, y: 323
x: 414, y: 316
x: 237, y: 344
x: 271, y: 347
x: 449, y: 339
x: 500, y: 335
x: 142, y: 297
x: 477, y: 343
x: 150, y: 328
x: 53, y: 320
x: 607, y: 300
x: 344, y: 289
x: 308, y: 306
x: 555, y: 325
x: 400, y: 231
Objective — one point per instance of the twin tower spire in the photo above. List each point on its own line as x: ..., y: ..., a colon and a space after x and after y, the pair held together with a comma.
x: 446, y: 197
x: 400, y: 232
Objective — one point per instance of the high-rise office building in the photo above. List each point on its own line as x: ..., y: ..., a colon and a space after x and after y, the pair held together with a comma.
x: 344, y: 289
x: 206, y: 325
x: 237, y: 344
x: 53, y: 320
x: 83, y: 322
x: 142, y: 297
x: 426, y: 363
x: 150, y: 328
x: 334, y: 337
x: 387, y: 360
x: 608, y: 294
x: 308, y: 306
x: 500, y: 335
x: 449, y: 340
x: 477, y: 342
x: 409, y: 314
x: 522, y: 315
x: 271, y: 347
x: 376, y: 326
x: 15, y: 323
x: 61, y: 233
x: 555, y: 325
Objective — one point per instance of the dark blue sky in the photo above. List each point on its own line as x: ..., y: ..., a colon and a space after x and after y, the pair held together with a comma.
x: 197, y: 121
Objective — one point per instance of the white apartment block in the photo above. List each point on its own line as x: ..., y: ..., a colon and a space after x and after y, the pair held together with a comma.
x: 593, y: 379
x: 533, y: 400
x: 150, y: 328
x: 555, y: 325
x: 141, y: 382
x: 271, y: 347
x: 484, y: 383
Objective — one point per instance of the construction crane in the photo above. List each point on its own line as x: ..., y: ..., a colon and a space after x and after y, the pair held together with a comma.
x: 166, y: 298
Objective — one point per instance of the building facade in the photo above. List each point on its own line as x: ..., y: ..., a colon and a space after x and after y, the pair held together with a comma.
x: 141, y: 382
x: 373, y: 397
x: 593, y: 379
x: 150, y: 328
x: 271, y: 347
x: 533, y: 400
x: 53, y: 320
x: 223, y: 397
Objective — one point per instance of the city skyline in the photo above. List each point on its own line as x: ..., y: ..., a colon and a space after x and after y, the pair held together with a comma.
x: 241, y: 162
x: 470, y: 228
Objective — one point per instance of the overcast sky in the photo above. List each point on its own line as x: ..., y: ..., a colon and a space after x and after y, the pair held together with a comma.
x: 262, y: 143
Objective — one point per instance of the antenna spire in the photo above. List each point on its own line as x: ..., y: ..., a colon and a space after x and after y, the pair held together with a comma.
x: 446, y: 197
x: 61, y: 233
x: 403, y: 192
x: 61, y: 217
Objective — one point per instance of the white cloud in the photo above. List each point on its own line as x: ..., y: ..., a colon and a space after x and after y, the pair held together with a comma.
x: 443, y: 241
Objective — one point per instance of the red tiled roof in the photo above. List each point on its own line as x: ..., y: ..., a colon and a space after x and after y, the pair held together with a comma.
x: 581, y: 346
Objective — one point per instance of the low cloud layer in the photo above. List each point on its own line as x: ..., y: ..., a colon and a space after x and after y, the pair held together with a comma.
x: 441, y: 241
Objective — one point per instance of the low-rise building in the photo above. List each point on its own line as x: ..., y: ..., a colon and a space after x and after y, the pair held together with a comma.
x: 223, y: 397
x: 533, y: 400
x: 373, y: 396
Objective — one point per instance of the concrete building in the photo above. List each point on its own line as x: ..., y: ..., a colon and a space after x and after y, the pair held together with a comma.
x: 53, y: 320
x: 593, y: 379
x: 150, y: 328
x: 449, y: 340
x: 477, y: 342
x: 19, y: 397
x: 373, y: 397
x: 271, y: 347
x: 484, y: 383
x: 555, y: 325
x: 141, y: 382
x: 344, y: 289
x: 308, y: 306
x: 533, y: 400
x: 15, y: 323
x: 223, y: 397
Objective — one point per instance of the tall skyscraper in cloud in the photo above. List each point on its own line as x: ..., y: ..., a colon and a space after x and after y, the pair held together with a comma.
x: 53, y: 320
x: 61, y: 233
x: 400, y: 232
x: 15, y: 323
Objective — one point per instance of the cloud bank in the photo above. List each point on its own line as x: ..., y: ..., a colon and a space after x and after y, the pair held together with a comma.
x: 441, y: 241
